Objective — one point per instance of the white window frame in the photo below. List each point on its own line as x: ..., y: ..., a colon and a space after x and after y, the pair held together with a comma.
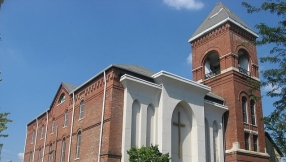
x: 81, y: 109
x: 63, y: 151
x: 53, y: 125
x: 78, y: 145
x: 66, y: 118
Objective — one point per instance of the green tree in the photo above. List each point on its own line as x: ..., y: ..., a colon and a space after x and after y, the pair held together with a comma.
x: 147, y: 154
x: 275, y: 77
x: 3, y: 121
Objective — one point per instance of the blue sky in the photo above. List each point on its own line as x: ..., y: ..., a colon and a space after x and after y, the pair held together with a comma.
x: 47, y: 42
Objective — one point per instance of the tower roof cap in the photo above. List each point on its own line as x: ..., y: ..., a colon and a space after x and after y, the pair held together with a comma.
x: 219, y: 15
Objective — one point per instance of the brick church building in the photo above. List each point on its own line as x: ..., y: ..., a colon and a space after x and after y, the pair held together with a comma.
x: 212, y: 118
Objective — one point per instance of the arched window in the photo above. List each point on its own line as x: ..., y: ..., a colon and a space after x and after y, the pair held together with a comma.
x: 63, y: 150
x: 135, y: 124
x: 81, y: 109
x: 207, y: 143
x: 53, y: 125
x: 33, y: 136
x: 40, y: 155
x: 252, y: 109
x: 150, y: 126
x: 243, y: 62
x: 42, y: 131
x: 66, y: 118
x: 62, y: 98
x: 78, y: 145
x: 215, y: 142
x: 244, y: 109
x: 51, y: 153
x: 212, y: 64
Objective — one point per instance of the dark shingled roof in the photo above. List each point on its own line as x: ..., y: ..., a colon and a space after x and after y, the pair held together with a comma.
x: 136, y: 69
x: 216, y: 17
x: 69, y: 87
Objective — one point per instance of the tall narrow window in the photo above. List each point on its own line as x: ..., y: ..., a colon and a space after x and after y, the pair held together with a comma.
x: 81, y: 109
x: 50, y: 153
x: 243, y: 62
x: 244, y: 109
x: 246, y: 141
x: 78, y: 145
x: 33, y: 136
x: 252, y: 107
x: 255, y: 143
x: 215, y: 142
x: 63, y: 150
x: 66, y: 118
x: 53, y: 125
x: 31, y: 157
x: 42, y: 132
x: 40, y: 155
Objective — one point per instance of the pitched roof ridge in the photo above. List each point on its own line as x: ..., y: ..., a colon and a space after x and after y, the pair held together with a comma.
x: 68, y: 87
x: 219, y: 15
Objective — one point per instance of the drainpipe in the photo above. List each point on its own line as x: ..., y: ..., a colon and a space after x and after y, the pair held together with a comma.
x: 35, y: 140
x: 47, y: 114
x: 73, y: 104
x: 25, y: 142
x: 102, y: 117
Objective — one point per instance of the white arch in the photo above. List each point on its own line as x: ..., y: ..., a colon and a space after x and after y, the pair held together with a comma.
x: 150, y: 136
x: 135, y: 128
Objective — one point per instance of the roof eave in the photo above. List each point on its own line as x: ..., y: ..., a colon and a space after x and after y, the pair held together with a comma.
x: 218, y: 24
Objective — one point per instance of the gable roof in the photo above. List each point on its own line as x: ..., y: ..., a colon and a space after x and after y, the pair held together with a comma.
x: 219, y: 15
x: 136, y: 69
x: 132, y: 68
x: 68, y: 87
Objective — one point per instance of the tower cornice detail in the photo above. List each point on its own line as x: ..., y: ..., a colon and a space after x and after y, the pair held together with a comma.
x: 210, y: 35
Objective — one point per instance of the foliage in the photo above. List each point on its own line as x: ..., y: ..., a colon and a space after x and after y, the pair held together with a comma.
x: 275, y: 77
x: 147, y: 154
x: 3, y: 121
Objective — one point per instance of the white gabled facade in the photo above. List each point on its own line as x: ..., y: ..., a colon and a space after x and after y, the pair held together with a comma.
x: 151, y: 111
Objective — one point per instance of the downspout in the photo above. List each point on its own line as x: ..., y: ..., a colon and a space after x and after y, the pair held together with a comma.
x: 47, y: 114
x: 35, y: 140
x: 73, y: 104
x: 25, y: 143
x: 102, y: 117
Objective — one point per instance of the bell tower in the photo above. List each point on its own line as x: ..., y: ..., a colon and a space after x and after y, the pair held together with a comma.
x: 224, y: 59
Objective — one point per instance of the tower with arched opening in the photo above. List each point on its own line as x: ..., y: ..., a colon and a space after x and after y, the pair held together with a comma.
x: 224, y: 59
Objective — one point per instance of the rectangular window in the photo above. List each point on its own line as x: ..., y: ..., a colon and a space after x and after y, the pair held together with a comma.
x: 63, y: 150
x: 78, y: 145
x: 246, y: 141
x: 244, y: 109
x: 81, y: 109
x: 53, y: 125
x: 40, y: 155
x: 31, y: 156
x: 42, y: 132
x: 33, y: 137
x: 66, y: 118
x: 255, y: 143
x: 252, y: 112
x: 50, y: 153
